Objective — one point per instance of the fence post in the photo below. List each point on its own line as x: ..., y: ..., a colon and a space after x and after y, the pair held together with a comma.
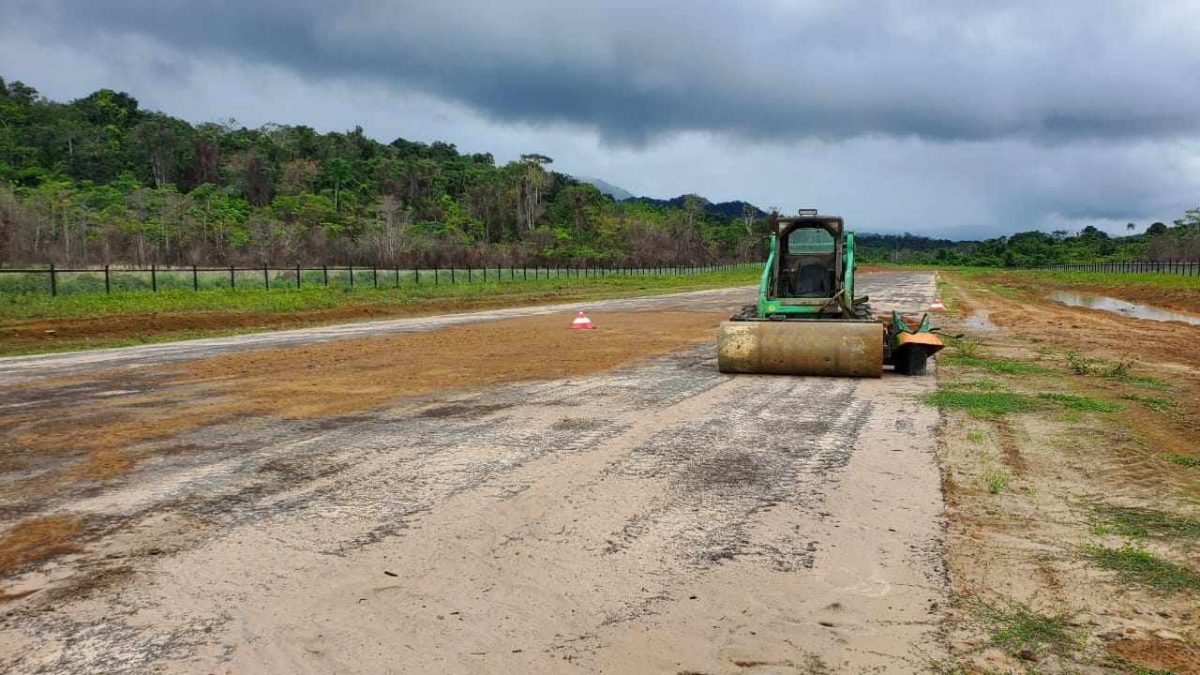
x: 469, y: 274
x: 524, y: 273
x: 153, y: 277
x: 325, y: 273
x: 266, y: 278
x: 398, y: 277
x: 297, y: 275
x: 107, y: 285
x: 451, y: 275
x: 195, y: 279
x: 351, y: 268
x: 53, y: 281
x: 375, y: 276
x: 232, y: 280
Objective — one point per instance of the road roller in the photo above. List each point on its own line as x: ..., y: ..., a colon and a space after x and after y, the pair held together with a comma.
x: 807, y: 320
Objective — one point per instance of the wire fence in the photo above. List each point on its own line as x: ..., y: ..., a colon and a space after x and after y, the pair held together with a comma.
x: 1180, y: 268
x: 109, y: 279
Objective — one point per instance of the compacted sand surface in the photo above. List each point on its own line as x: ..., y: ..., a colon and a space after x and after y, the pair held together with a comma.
x: 496, y: 494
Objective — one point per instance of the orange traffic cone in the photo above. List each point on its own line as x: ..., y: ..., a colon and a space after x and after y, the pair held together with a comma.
x: 581, y: 322
x: 937, y: 306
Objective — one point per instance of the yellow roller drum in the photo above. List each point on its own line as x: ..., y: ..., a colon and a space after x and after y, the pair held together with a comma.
x: 834, y: 348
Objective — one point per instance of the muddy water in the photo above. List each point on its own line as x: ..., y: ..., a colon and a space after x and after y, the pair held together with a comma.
x: 1130, y: 309
x: 980, y: 321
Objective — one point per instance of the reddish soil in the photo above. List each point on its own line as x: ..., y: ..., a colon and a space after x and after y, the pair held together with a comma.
x: 340, y: 377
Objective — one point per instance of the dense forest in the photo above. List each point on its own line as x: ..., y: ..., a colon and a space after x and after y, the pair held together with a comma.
x: 101, y: 180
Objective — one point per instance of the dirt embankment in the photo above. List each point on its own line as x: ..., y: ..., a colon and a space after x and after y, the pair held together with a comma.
x: 1073, y: 535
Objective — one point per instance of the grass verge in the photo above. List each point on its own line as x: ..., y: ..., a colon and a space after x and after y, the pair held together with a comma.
x: 36, y: 324
x: 998, y: 366
x: 1141, y: 523
x: 1182, y: 460
x: 1136, y: 565
x: 42, y: 306
x: 995, y: 403
x: 1023, y: 633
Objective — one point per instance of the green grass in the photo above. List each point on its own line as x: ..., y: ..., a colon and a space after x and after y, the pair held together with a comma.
x: 1171, y: 281
x: 998, y: 366
x: 314, y: 297
x: 1151, y: 402
x: 982, y: 403
x: 995, y: 403
x: 1083, y: 403
x: 1021, y: 632
x: 976, y: 436
x: 978, y: 385
x: 1134, y: 564
x: 1144, y: 381
x: 1142, y: 523
x: 963, y: 346
x: 1182, y: 460
x: 996, y: 479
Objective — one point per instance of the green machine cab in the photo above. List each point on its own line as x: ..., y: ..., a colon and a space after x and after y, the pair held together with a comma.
x: 807, y: 320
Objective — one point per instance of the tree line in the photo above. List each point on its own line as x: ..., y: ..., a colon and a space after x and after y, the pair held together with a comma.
x: 100, y: 180
x: 1158, y: 243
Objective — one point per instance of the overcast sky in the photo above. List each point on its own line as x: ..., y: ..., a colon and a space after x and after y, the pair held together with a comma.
x: 951, y: 118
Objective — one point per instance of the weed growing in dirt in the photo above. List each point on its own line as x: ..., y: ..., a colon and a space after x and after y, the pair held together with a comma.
x: 982, y: 385
x: 1142, y: 523
x: 1137, y: 565
x: 1120, y: 371
x: 998, y: 366
x: 976, y: 436
x: 1145, y: 382
x: 1151, y: 402
x: 967, y: 348
x: 1085, y: 403
x: 951, y: 666
x: 981, y: 403
x: 1003, y: 291
x: 1081, y: 365
x: 1023, y: 633
x: 996, y: 479
x: 1182, y: 460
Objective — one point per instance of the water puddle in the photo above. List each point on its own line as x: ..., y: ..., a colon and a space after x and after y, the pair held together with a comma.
x: 979, y: 321
x: 1130, y: 309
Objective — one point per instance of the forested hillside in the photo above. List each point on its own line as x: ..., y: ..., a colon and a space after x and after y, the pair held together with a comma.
x: 101, y: 180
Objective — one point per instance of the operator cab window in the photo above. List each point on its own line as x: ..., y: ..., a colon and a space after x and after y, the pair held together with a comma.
x: 810, y: 242
x: 807, y: 270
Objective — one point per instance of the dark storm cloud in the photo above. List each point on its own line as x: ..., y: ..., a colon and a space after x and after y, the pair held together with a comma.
x: 941, y: 70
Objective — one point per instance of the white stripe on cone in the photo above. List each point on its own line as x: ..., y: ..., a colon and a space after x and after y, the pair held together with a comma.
x: 937, y: 306
x: 581, y: 322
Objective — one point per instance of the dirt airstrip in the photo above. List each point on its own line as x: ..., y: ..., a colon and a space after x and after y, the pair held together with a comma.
x: 491, y: 495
